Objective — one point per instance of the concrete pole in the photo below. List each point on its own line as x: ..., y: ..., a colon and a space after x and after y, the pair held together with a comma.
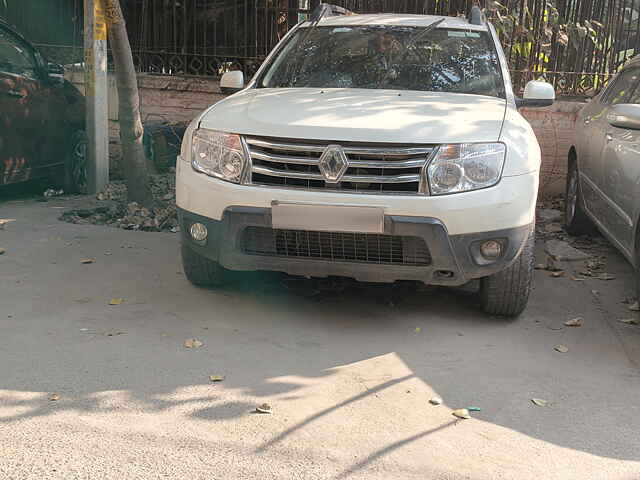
x: 96, y: 91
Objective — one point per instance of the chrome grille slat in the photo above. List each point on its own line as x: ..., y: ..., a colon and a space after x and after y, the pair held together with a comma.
x: 381, y: 179
x: 290, y: 147
x: 270, y: 157
x: 302, y: 147
x: 394, y: 152
x: 382, y: 164
x: 284, y: 158
x: 371, y: 169
x: 273, y: 172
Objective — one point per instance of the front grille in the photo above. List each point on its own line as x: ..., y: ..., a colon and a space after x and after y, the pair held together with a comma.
x: 336, y: 246
x: 371, y: 169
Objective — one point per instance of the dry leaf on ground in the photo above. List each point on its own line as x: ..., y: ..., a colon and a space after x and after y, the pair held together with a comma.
x: 557, y: 274
x: 264, y: 408
x: 574, y: 322
x: 561, y: 348
x: 461, y: 413
x: 114, y: 334
x: 54, y: 397
x: 216, y: 378
x: 192, y: 343
x: 87, y: 261
x: 2, y: 250
x: 539, y: 402
x: 116, y: 301
x: 418, y: 329
x: 629, y: 321
x: 605, y: 276
x: 435, y: 401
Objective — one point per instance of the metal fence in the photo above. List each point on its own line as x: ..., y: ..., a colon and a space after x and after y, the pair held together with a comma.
x: 575, y: 44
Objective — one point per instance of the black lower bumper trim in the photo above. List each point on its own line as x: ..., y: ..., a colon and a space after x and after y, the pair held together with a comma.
x: 452, y: 259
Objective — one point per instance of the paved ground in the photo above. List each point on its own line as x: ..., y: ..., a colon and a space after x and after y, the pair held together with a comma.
x: 349, y: 374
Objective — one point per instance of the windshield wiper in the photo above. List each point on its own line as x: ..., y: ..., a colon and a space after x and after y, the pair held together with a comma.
x: 315, y: 18
x: 405, y: 48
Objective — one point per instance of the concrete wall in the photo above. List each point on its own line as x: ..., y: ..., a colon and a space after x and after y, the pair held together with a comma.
x: 554, y: 127
x: 179, y: 99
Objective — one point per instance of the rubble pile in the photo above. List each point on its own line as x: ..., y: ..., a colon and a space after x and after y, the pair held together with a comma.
x: 116, y: 212
x: 561, y: 249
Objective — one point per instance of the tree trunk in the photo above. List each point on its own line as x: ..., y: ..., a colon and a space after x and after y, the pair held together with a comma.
x: 131, y: 132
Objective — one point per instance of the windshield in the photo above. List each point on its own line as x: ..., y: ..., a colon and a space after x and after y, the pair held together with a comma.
x: 401, y: 58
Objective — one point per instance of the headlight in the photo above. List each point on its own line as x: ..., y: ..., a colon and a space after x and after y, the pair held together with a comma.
x: 218, y: 154
x: 465, y: 166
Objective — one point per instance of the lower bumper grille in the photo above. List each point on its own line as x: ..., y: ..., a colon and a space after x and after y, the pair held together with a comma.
x: 336, y: 246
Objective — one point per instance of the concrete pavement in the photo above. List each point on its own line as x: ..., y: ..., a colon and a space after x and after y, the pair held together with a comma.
x: 348, y: 373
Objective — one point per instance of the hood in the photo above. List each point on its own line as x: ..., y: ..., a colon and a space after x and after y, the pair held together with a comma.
x: 359, y: 115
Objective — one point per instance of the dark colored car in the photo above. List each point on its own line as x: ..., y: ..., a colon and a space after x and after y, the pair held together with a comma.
x: 42, y: 133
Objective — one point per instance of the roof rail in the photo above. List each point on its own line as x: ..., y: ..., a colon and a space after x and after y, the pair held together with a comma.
x: 328, y: 10
x: 476, y: 15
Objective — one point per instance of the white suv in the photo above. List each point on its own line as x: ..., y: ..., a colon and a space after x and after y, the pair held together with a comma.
x: 378, y: 147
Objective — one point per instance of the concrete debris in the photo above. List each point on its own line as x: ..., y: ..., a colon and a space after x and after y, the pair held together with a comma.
x: 562, y: 251
x: 553, y: 228
x: 50, y: 192
x: 131, y: 216
x: 548, y: 215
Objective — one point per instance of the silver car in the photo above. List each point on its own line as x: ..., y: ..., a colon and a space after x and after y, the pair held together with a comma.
x: 603, y: 179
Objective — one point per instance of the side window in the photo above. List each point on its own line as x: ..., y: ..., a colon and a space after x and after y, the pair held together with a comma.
x: 624, y: 85
x: 635, y: 96
x: 15, y: 57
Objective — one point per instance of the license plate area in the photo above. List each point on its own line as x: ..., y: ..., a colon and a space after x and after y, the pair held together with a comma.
x: 327, y: 218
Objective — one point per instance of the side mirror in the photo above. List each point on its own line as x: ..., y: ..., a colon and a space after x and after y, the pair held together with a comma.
x: 625, y: 115
x: 232, y: 82
x: 55, y: 73
x: 537, y: 94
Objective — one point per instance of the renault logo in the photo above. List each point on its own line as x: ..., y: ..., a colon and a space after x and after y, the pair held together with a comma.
x: 333, y: 163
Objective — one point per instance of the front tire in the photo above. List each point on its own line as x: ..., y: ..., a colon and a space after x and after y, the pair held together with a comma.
x: 199, y: 270
x: 506, y: 293
x: 576, y: 221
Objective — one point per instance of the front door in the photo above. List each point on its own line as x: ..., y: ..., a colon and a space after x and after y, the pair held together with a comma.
x: 621, y: 174
x: 24, y: 110
x: 593, y: 172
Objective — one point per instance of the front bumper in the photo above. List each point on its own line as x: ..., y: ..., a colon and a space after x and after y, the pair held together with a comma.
x: 453, y: 259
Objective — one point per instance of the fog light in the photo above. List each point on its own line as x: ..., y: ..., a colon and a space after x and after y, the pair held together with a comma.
x: 198, y: 232
x: 491, y: 249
